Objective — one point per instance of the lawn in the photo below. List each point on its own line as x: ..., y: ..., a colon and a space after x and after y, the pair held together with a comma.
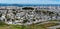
x: 12, y: 27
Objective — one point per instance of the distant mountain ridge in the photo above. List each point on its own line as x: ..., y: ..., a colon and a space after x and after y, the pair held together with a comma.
x: 29, y: 4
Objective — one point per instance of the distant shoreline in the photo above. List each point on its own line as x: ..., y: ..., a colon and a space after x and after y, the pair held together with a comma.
x: 29, y: 5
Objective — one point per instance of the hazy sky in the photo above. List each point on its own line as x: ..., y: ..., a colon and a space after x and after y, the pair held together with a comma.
x: 30, y: 1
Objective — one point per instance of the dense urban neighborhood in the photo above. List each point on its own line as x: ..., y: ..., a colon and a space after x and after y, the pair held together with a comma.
x: 28, y: 15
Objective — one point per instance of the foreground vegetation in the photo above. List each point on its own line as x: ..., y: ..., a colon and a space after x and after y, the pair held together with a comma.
x: 32, y: 26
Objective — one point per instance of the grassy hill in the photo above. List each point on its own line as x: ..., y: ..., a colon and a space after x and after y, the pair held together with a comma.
x: 32, y: 26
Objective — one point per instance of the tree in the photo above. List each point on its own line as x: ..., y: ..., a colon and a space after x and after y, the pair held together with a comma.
x: 2, y: 23
x: 51, y: 14
x: 14, y: 10
x: 24, y: 21
x: 44, y: 12
x: 0, y: 15
x: 14, y: 13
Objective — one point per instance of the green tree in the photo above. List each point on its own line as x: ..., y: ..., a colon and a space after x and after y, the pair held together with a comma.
x: 0, y: 15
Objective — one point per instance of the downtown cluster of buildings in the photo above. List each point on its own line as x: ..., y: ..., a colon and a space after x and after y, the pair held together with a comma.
x: 28, y: 14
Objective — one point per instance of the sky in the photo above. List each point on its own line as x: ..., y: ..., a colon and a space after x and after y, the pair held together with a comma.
x: 30, y: 1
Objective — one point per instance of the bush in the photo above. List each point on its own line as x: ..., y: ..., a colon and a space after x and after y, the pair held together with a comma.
x: 2, y: 23
x: 24, y: 21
